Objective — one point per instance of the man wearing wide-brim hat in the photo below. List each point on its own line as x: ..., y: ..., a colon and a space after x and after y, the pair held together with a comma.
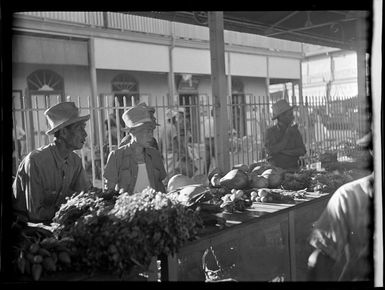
x: 136, y: 165
x: 283, y: 141
x: 47, y: 175
x: 342, y: 237
x: 151, y: 111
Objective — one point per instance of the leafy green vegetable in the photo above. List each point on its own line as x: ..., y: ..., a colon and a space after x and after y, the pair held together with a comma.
x: 113, y: 235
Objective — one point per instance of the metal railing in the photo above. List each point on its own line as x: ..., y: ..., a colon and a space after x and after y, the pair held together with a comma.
x: 325, y: 126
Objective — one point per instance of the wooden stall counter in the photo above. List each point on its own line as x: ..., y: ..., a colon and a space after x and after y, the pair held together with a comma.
x: 266, y: 242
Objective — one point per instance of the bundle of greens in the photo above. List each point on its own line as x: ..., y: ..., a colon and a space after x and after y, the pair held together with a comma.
x: 81, y: 203
x: 116, y: 234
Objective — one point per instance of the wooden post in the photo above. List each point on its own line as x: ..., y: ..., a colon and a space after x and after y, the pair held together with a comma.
x: 172, y: 268
x: 292, y: 253
x: 361, y: 75
x: 267, y: 79
x: 219, y: 89
x: 293, y: 97
x: 93, y: 79
x: 171, y: 76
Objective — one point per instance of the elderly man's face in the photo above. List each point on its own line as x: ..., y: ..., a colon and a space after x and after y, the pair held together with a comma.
x: 143, y: 135
x: 75, y: 135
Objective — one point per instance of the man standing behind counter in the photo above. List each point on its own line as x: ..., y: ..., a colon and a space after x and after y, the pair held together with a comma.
x: 50, y: 173
x: 284, y: 142
x: 136, y: 165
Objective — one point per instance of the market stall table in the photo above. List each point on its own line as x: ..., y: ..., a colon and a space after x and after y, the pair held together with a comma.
x: 266, y: 242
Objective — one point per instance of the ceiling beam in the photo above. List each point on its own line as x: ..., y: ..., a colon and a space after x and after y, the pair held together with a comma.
x: 311, y: 27
x: 235, y: 23
x: 280, y: 30
x: 283, y: 19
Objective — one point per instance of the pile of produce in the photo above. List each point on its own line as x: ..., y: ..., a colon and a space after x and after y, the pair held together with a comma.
x: 201, y: 199
x: 262, y: 176
x: 237, y: 200
x: 37, y: 252
x: 242, y: 176
x: 79, y: 204
x: 276, y: 195
x: 329, y: 182
x: 113, y: 235
x: 297, y: 181
x: 111, y: 232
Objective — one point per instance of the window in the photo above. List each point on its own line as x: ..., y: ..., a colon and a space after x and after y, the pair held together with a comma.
x: 238, y: 107
x: 45, y: 89
x: 44, y: 80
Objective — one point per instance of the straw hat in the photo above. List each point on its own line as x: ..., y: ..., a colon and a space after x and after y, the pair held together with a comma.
x: 281, y: 107
x: 136, y: 116
x: 62, y: 115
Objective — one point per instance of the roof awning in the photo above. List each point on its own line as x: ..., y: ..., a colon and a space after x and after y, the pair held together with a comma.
x: 344, y: 29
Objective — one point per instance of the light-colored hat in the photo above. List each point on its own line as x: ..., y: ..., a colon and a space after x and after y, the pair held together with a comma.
x: 63, y: 114
x: 135, y: 117
x: 281, y: 107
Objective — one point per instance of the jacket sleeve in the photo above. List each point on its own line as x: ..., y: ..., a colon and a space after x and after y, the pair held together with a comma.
x: 270, y: 139
x: 300, y: 142
x: 111, y: 171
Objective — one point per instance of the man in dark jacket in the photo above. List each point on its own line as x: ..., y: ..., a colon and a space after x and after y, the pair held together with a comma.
x: 284, y: 143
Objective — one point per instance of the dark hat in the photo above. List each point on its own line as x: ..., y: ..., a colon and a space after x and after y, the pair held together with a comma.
x: 281, y: 107
x: 63, y: 114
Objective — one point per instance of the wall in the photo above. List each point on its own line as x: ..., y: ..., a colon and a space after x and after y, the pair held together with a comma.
x: 243, y: 64
x: 28, y: 49
x: 280, y: 67
x: 114, y: 54
x: 316, y: 72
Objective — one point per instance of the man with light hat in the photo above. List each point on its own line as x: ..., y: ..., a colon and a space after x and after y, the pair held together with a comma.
x: 283, y: 141
x: 342, y: 237
x: 47, y: 175
x: 151, y: 111
x: 136, y: 165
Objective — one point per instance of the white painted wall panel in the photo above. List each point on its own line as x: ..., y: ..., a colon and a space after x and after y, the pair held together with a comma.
x: 242, y: 64
x: 188, y: 60
x: 40, y: 50
x: 287, y: 68
x: 115, y: 54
